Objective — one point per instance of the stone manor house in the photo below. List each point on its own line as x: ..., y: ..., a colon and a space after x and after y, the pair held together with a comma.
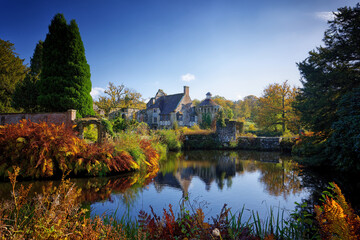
x: 162, y: 110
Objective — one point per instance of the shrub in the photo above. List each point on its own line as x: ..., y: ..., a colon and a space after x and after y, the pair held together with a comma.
x: 119, y: 124
x: 196, y: 131
x: 44, y: 150
x: 141, y: 148
x: 108, y: 126
x: 170, y: 138
x: 91, y: 133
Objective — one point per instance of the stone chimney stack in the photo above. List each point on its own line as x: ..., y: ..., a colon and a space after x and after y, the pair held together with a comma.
x: 186, y: 90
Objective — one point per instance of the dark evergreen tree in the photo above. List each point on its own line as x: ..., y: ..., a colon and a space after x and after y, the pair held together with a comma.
x: 12, y: 71
x: 343, y: 145
x: 328, y: 74
x: 65, y: 78
x: 26, y: 92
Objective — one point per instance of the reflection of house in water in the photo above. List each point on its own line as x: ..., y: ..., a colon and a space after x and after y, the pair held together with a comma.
x: 225, y: 168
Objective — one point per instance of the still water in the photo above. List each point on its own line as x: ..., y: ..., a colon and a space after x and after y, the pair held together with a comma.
x: 208, y: 179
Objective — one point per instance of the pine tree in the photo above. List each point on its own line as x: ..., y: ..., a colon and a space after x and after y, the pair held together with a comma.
x: 12, y: 71
x: 26, y: 92
x: 65, y: 78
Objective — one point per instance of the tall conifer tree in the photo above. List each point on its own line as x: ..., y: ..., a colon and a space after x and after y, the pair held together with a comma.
x: 65, y: 79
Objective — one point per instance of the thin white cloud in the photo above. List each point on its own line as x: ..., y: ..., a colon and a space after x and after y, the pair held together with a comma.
x: 325, y: 16
x: 188, y: 77
x: 239, y: 97
x: 96, y: 92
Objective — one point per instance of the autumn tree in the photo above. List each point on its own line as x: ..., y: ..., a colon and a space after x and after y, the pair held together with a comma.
x: 26, y: 92
x: 12, y: 71
x: 275, y: 108
x: 227, y: 106
x: 119, y: 97
x: 246, y: 108
x: 65, y: 78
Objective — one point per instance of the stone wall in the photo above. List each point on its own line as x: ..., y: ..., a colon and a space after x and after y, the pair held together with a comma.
x: 265, y: 143
x: 212, y: 141
x: 56, y: 118
x: 200, y: 141
x: 230, y: 132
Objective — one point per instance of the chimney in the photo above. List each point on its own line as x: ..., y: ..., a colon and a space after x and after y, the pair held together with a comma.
x: 186, y: 90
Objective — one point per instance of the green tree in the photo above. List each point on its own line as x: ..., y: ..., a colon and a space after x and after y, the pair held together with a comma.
x: 343, y: 144
x: 12, y: 71
x: 329, y: 75
x: 275, y: 108
x: 205, y: 121
x: 65, y: 78
x: 26, y: 92
x: 220, y: 118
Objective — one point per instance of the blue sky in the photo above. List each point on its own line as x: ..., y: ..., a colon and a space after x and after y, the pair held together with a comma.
x: 228, y: 48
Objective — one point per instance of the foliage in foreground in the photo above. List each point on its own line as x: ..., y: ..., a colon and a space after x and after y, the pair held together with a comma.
x: 45, y: 150
x: 52, y: 214
x: 55, y: 213
x: 336, y: 218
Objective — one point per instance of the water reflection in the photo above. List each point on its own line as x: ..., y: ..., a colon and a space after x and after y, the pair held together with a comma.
x: 279, y: 175
x: 217, y: 177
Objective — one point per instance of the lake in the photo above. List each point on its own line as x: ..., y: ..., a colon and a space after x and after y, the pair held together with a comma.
x: 256, y: 181
x: 209, y: 179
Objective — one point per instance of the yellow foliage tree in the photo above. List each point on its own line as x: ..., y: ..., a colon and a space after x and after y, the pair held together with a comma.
x: 275, y: 108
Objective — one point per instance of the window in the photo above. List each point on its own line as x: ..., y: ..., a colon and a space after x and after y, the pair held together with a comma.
x: 155, y: 119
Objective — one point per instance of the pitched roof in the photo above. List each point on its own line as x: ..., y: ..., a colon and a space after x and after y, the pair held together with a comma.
x: 208, y: 102
x: 168, y: 103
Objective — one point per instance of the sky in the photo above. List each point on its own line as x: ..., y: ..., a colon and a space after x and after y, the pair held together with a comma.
x: 226, y: 47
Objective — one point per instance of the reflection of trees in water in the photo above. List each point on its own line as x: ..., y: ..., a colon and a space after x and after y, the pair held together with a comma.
x: 126, y: 187
x: 279, y: 176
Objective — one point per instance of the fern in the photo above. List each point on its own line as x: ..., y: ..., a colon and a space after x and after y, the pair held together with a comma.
x: 336, y: 218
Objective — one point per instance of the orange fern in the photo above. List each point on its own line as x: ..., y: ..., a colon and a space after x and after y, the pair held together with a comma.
x: 337, y: 219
